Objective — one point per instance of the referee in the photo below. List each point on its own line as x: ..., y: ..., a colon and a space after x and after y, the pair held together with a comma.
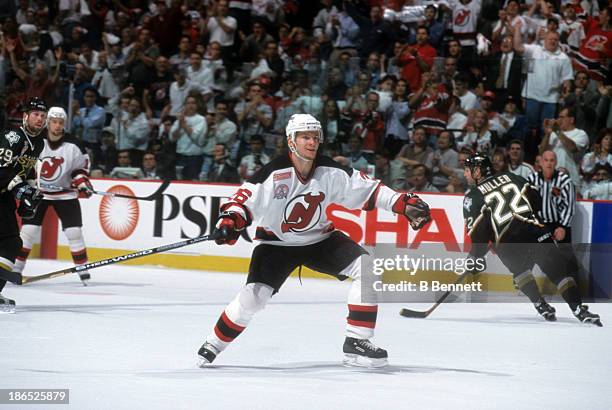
x: 558, y: 204
x: 558, y: 197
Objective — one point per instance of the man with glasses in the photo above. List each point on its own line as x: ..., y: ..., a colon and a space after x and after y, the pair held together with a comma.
x: 567, y: 142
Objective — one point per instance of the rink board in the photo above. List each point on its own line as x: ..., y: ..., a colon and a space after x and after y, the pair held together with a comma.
x: 185, y: 210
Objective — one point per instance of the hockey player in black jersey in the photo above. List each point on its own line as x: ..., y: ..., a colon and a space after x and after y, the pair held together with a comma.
x: 19, y: 151
x: 498, y: 209
x: 287, y: 200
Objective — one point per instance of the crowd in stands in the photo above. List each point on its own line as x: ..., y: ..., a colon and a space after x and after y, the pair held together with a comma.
x: 405, y: 89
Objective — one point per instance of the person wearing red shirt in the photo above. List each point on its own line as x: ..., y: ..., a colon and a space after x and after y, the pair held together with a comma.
x: 417, y: 59
x: 596, y: 49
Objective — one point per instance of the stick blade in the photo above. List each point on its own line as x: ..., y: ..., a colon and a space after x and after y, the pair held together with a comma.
x: 413, y: 313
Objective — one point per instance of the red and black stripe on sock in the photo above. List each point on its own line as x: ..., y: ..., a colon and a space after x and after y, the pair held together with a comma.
x: 226, y: 330
x: 362, y: 316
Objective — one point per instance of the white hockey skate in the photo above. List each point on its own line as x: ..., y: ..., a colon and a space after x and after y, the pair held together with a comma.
x: 6, y: 305
x: 207, y: 354
x: 363, y: 353
x: 84, y: 276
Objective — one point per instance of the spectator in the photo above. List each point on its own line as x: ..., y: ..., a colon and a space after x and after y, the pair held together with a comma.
x: 434, y: 27
x: 382, y: 167
x: 225, y: 130
x: 189, y: 131
x: 124, y: 168
x: 255, y: 160
x: 343, y: 32
x: 179, y: 90
x: 601, y: 186
x: 200, y: 76
x: 417, y: 59
x: 371, y: 127
x: 584, y: 100
x: 464, y: 20
x: 107, y: 159
x: 132, y: 132
x: 514, y: 123
x: 499, y: 161
x: 397, y: 118
x: 596, y: 49
x: 374, y: 32
x: 348, y: 69
x: 221, y: 28
x: 182, y: 58
x: 222, y: 170
x: 330, y: 123
x: 38, y: 84
x: 104, y: 80
x: 88, y: 121
x: 253, y: 114
x: 550, y: 70
x: 457, y: 118
x: 253, y: 44
x: 430, y: 104
x: 601, y: 152
x: 567, y: 142
x: 477, y: 136
x: 468, y: 99
x: 141, y: 59
x: 420, y: 180
x: 165, y: 26
x: 443, y: 161
x: 516, y: 156
x: 149, y: 166
x: 504, y: 73
x: 356, y: 157
x: 156, y: 96
x: 410, y: 156
x: 272, y: 64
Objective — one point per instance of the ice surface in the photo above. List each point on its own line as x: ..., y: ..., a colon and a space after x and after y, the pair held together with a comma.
x: 129, y: 341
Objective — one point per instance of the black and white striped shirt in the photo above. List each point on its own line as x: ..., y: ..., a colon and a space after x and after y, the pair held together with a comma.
x: 558, y: 197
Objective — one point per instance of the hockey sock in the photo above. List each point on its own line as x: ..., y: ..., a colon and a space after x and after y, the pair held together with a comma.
x: 568, y: 289
x: 361, y: 319
x: 528, y: 285
x: 29, y: 235
x: 252, y: 298
x: 76, y: 245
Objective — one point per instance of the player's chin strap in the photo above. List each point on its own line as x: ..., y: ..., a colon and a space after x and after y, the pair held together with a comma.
x: 294, y: 152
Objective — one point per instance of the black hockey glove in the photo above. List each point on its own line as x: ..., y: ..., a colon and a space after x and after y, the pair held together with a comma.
x: 414, y: 209
x: 227, y: 230
x: 29, y: 197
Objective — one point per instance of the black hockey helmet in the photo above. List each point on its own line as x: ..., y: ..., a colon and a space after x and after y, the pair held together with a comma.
x: 482, y: 161
x: 34, y: 104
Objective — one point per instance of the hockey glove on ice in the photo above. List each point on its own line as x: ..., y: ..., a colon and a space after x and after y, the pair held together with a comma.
x: 29, y: 197
x: 83, y: 184
x: 228, y: 228
x: 414, y: 209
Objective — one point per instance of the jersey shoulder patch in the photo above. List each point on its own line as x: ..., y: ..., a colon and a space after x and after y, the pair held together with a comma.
x: 12, y: 137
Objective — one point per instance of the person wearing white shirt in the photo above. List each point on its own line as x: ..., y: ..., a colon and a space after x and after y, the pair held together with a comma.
x: 179, y: 90
x: 515, y: 163
x: 468, y: 99
x: 549, y: 70
x: 220, y: 26
x: 566, y: 141
x: 189, y: 131
x: 199, y: 74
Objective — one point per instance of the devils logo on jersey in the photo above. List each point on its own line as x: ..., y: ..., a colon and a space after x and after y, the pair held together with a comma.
x: 51, y: 168
x: 462, y: 17
x: 596, y: 43
x: 302, y: 213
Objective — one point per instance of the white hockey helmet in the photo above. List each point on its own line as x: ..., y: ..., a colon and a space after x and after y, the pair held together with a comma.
x: 56, y: 112
x: 303, y: 122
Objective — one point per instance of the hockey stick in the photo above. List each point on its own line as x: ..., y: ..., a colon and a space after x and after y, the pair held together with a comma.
x: 121, y: 258
x: 422, y: 315
x: 151, y: 197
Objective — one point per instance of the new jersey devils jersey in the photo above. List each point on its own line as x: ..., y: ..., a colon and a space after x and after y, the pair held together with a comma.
x: 60, y: 165
x: 289, y: 210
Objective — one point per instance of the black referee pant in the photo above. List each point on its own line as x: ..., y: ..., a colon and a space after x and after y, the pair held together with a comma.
x: 566, y: 246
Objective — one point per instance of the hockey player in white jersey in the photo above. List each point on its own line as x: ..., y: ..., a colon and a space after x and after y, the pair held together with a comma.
x: 64, y: 166
x: 287, y: 201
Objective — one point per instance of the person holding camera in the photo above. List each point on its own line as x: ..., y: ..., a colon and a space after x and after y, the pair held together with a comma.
x: 254, y: 161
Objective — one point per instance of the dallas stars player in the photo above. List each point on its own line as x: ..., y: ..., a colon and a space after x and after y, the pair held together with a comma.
x: 19, y: 151
x: 498, y: 209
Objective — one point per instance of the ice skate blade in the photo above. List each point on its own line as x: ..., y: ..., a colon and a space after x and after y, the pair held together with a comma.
x: 203, y: 363
x: 7, y: 308
x: 355, y: 360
